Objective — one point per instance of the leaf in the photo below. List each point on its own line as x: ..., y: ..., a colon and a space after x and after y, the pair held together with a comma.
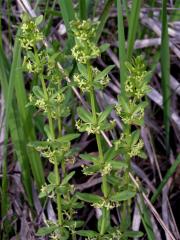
x: 68, y: 137
x: 46, y: 230
x: 102, y: 74
x: 88, y: 197
x: 133, y: 234
x: 110, y: 154
x: 67, y: 178
x: 75, y: 224
x: 92, y: 169
x: 124, y: 104
x: 84, y: 115
x: 122, y: 196
x: 82, y: 69
x: 39, y: 19
x: 135, y: 137
x: 87, y: 233
x: 52, y: 178
x: 116, y: 165
x: 104, y: 47
x: 104, y: 115
x: 88, y: 157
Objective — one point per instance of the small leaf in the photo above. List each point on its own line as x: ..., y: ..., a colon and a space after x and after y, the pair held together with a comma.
x: 68, y: 137
x: 124, y: 104
x: 67, y: 178
x: 104, y: 47
x: 135, y: 137
x: 84, y: 115
x: 116, y: 165
x: 133, y: 234
x: 88, y: 197
x: 39, y: 19
x: 38, y: 92
x: 75, y: 224
x: 82, y: 69
x: 92, y: 169
x: 104, y: 115
x: 87, y: 233
x: 46, y: 230
x: 110, y: 154
x: 52, y: 178
x: 102, y: 74
x: 123, y: 196
x: 88, y: 157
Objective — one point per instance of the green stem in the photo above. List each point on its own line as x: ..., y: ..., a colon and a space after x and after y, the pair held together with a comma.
x: 56, y: 170
x: 126, y: 209
x: 99, y: 145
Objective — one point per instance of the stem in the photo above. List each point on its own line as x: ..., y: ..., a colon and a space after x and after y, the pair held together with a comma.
x: 99, y: 145
x: 126, y: 209
x: 56, y: 170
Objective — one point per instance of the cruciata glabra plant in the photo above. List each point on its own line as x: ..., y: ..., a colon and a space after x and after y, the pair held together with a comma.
x: 116, y: 185
x: 51, y: 97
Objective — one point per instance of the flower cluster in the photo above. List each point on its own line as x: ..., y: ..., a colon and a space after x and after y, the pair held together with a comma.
x: 98, y: 81
x: 130, y: 143
x: 94, y: 128
x: 105, y: 204
x: 85, y: 48
x: 82, y: 82
x: 136, y: 87
x: 30, y: 34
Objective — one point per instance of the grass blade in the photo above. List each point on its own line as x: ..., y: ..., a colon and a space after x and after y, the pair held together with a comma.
x: 169, y: 173
x: 145, y: 217
x: 133, y: 26
x: 165, y: 68
x: 103, y: 19
x: 122, y: 47
x: 68, y: 15
x: 11, y: 124
x: 82, y: 9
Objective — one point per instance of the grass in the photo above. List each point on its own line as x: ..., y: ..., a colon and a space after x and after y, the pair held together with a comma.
x: 165, y: 66
x: 122, y: 47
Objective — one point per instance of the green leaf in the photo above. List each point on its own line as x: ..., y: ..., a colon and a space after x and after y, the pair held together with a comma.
x: 67, y: 178
x: 124, y: 104
x: 135, y: 137
x: 104, y: 115
x: 46, y: 230
x: 87, y: 233
x: 104, y: 47
x: 88, y: 197
x: 39, y: 19
x: 88, y: 157
x: 83, y: 70
x: 116, y: 165
x: 92, y: 169
x: 75, y: 224
x: 84, y: 115
x: 68, y: 137
x: 52, y: 178
x: 38, y: 92
x: 122, y: 196
x: 102, y: 74
x: 110, y: 154
x: 133, y: 234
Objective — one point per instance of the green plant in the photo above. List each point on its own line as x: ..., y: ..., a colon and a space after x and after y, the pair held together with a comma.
x: 113, y: 164
x: 116, y: 188
x: 48, y: 97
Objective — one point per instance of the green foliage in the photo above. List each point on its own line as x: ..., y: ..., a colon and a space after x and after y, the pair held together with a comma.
x: 48, y: 99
